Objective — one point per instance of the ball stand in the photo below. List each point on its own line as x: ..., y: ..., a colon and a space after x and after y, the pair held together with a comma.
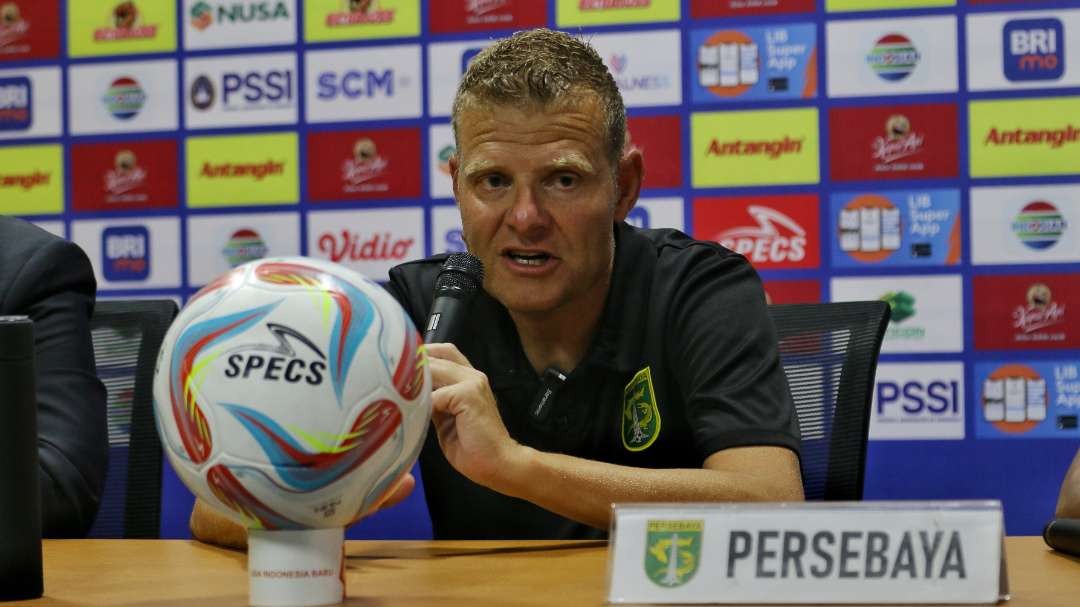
x: 303, y: 567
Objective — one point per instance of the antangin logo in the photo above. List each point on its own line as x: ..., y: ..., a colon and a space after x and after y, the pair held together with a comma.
x: 673, y: 551
x: 256, y: 171
x: 773, y: 149
x: 1055, y: 138
x: 26, y: 181
x: 641, y: 415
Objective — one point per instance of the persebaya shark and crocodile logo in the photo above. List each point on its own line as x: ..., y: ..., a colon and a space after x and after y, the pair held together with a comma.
x: 673, y: 551
x: 641, y: 416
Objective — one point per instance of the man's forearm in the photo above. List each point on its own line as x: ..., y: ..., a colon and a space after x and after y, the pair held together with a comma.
x: 583, y: 490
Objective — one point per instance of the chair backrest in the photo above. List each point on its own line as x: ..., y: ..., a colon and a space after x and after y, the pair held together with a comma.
x: 127, y: 335
x: 829, y: 353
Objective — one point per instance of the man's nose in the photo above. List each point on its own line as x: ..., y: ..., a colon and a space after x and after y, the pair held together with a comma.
x: 527, y: 216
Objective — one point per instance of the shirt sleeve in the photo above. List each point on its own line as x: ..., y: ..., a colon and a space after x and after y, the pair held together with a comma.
x: 57, y: 291
x: 725, y: 356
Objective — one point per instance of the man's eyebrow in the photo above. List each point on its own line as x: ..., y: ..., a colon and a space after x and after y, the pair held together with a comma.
x: 573, y: 160
x: 477, y: 165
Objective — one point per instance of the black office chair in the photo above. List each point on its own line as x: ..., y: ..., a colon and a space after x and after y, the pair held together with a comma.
x: 127, y: 335
x: 829, y: 353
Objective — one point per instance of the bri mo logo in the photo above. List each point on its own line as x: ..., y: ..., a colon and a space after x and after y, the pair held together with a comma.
x: 125, y: 251
x: 1033, y: 49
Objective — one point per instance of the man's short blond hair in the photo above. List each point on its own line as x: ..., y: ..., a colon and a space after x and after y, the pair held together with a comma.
x: 543, y: 67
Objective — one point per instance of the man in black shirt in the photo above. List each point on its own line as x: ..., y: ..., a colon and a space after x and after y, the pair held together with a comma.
x: 663, y: 364
x: 673, y: 390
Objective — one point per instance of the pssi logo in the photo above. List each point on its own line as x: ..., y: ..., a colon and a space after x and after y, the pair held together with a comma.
x: 16, y: 104
x: 893, y: 57
x: 1039, y: 225
x: 776, y: 238
x: 938, y: 397
x: 1034, y: 49
x: 354, y: 84
x: 126, y: 253
x: 280, y: 361
x: 239, y: 91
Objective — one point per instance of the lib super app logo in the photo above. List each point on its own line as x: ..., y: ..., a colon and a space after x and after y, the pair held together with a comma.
x: 896, y: 228
x: 1034, y: 49
x: 771, y: 231
x: 755, y: 63
x: 125, y: 253
x: 1028, y: 399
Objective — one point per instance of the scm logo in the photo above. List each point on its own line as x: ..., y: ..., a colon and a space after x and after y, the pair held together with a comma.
x: 354, y: 84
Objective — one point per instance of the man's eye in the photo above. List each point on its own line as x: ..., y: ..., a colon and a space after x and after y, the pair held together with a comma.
x: 566, y: 180
x: 493, y: 181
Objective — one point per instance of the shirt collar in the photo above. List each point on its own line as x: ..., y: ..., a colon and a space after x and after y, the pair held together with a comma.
x: 618, y: 341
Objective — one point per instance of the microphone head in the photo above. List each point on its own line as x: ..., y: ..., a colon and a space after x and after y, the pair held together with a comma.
x: 461, y: 274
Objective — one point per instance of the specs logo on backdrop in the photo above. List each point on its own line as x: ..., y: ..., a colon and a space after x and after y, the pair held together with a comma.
x: 12, y: 27
x: 359, y: 12
x: 779, y: 231
x: 1040, y: 312
x: 16, y: 104
x: 125, y: 24
x: 244, y: 91
x: 347, y: 245
x: 125, y: 176
x: 126, y: 253
x: 124, y: 98
x: 1034, y: 49
x: 243, y: 246
x: 775, y: 238
x: 366, y: 164
x: 354, y: 84
x: 893, y: 57
x: 1039, y: 225
x: 203, y: 14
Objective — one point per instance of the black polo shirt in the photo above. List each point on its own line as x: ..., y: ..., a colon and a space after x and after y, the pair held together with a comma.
x: 683, y: 364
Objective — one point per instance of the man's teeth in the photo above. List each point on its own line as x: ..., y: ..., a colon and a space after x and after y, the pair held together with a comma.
x: 529, y: 260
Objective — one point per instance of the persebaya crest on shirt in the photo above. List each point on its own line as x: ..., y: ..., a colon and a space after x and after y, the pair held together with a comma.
x: 641, y: 415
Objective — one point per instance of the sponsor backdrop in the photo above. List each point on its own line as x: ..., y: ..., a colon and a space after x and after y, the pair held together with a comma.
x: 921, y: 152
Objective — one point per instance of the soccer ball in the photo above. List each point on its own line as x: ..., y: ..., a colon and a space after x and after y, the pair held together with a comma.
x: 292, y: 393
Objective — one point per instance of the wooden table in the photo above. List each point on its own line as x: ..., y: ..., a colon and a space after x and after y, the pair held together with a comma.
x: 174, y: 572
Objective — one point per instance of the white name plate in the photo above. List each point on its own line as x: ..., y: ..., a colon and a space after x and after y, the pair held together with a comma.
x: 824, y: 552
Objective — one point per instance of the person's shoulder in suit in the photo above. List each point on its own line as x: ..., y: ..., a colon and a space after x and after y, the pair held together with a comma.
x: 33, y: 261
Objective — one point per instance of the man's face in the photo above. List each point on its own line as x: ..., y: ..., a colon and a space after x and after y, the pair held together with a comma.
x: 538, y: 198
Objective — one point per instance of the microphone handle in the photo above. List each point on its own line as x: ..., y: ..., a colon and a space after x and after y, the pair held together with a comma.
x: 446, y: 314
x: 1063, y: 534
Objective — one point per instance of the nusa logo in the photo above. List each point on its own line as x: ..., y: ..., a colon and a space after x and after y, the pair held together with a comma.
x: 1033, y: 49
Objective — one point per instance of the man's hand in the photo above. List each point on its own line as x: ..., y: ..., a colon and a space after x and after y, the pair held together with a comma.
x: 210, y: 526
x: 471, y: 432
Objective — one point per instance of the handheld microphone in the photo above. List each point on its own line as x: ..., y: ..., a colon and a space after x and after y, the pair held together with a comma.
x: 457, y: 282
x: 1063, y: 534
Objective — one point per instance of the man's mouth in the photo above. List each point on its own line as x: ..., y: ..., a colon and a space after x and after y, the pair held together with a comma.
x: 528, y: 258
